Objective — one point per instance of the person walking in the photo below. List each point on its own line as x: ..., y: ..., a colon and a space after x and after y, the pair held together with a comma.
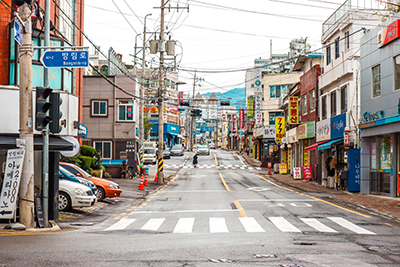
x: 195, y: 159
x: 248, y: 150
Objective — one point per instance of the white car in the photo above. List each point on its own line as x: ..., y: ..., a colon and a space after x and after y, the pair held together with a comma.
x: 74, y: 195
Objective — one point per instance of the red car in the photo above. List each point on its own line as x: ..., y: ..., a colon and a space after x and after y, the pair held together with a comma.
x: 105, y: 188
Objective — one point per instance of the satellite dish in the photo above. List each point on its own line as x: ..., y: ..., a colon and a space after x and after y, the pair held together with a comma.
x: 75, y: 145
x: 284, y: 140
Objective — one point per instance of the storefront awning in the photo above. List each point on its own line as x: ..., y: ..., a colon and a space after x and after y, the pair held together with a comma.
x: 314, y: 146
x: 56, y: 143
x: 329, y: 144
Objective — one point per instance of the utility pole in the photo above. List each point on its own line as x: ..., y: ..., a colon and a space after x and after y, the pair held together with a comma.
x: 141, y: 119
x: 26, y: 193
x: 160, y: 102
x: 192, y: 117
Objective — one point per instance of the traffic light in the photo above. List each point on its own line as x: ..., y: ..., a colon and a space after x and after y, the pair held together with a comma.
x: 196, y: 113
x: 42, y: 106
x: 55, y: 113
x: 21, y: 2
x: 199, y: 112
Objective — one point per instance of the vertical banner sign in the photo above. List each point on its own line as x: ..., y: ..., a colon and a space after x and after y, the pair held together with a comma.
x: 306, y: 154
x: 257, y: 80
x: 293, y: 110
x: 180, y: 98
x: 250, y: 106
x: 258, y: 109
x: 285, y: 157
x: 241, y: 118
x: 280, y: 129
x: 12, y: 178
x: 289, y: 158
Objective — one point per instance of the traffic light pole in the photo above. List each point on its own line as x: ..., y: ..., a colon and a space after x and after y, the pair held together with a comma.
x: 26, y: 192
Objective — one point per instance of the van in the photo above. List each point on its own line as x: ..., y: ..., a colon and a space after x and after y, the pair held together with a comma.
x: 150, y: 152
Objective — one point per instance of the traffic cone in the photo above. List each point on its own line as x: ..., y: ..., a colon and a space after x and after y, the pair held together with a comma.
x: 145, y: 180
x: 269, y: 171
x: 156, y: 178
x: 141, y: 186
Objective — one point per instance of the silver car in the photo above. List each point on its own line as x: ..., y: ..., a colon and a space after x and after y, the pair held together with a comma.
x: 203, y: 149
x: 177, y: 150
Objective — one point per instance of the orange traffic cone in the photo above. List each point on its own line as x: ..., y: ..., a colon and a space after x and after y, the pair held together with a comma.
x: 141, y: 186
x: 145, y: 180
x: 156, y: 178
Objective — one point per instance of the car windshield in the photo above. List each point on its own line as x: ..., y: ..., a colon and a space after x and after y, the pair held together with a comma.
x: 203, y: 147
x: 66, y: 172
x: 148, y: 151
x: 177, y: 147
x: 83, y: 171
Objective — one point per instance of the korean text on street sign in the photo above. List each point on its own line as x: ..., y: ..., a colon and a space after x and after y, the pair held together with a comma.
x: 293, y: 110
x: 280, y: 129
x: 257, y: 80
x: 258, y: 114
x: 12, y: 178
x: 17, y: 32
x: 82, y: 130
x: 65, y: 59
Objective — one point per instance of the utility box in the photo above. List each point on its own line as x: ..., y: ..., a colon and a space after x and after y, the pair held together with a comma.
x: 153, y: 46
x: 161, y: 46
x: 170, y: 46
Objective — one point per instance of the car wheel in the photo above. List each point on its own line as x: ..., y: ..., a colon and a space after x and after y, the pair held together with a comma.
x: 64, y: 201
x: 101, y: 194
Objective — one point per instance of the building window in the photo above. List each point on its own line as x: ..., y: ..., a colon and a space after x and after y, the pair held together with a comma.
x: 347, y: 40
x: 278, y: 91
x: 328, y: 55
x: 304, y: 104
x: 125, y: 110
x: 99, y: 108
x: 272, y: 91
x: 337, y: 48
x: 312, y: 100
x: 397, y: 73
x: 105, y: 148
x: 333, y: 104
x: 272, y: 116
x: 343, y: 99
x: 376, y: 81
x: 323, y: 107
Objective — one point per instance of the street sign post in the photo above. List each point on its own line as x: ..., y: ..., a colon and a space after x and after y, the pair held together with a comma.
x: 65, y: 59
x: 17, y: 32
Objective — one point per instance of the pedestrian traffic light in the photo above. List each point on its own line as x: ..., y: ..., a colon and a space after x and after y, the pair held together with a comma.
x: 55, y: 113
x: 42, y: 106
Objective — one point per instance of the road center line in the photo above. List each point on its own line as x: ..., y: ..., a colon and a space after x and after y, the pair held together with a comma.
x: 216, y: 161
x: 223, y: 181
x: 240, y: 208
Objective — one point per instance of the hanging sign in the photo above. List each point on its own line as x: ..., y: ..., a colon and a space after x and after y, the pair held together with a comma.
x: 293, y: 110
x: 241, y: 118
x: 258, y: 114
x: 280, y: 129
x: 257, y: 80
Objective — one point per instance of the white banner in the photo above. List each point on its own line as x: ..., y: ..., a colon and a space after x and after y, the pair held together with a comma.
x: 323, y: 130
x: 12, y: 178
x: 258, y: 113
x: 257, y: 80
x: 269, y: 132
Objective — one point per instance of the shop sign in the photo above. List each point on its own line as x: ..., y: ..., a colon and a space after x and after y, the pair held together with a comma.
x: 180, y: 97
x: 250, y: 106
x: 241, y: 118
x: 293, y: 110
x: 389, y: 33
x: 258, y: 109
x: 82, y: 130
x: 296, y: 173
x: 306, y: 154
x: 292, y: 136
x: 269, y: 132
x: 338, y: 123
x: 289, y: 163
x: 257, y: 80
x: 301, y: 131
x: 280, y: 129
x: 282, y: 168
x: 323, y: 130
x: 307, y: 172
x: 310, y: 132
x: 259, y: 132
x: 371, y: 116
x: 285, y: 156
x: 271, y: 149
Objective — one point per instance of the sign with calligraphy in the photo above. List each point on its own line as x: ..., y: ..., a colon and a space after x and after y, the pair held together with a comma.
x: 269, y: 132
x: 323, y: 130
x: 389, y: 33
x: 296, y: 173
x: 280, y: 129
x: 282, y: 168
x: 338, y: 123
x: 293, y: 110
x: 241, y: 118
x: 12, y: 178
x: 258, y: 113
x: 307, y: 173
x: 306, y: 154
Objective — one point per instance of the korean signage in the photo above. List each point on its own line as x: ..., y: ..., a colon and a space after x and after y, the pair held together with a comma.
x: 257, y: 80
x: 12, y: 178
x: 269, y: 132
x: 289, y: 158
x: 293, y: 110
x: 338, y: 123
x: 389, y: 33
x: 282, y: 168
x: 82, y: 130
x: 307, y: 173
x: 371, y: 116
x: 296, y: 173
x: 241, y: 118
x: 301, y: 131
x: 250, y: 106
x: 280, y: 129
x: 306, y: 130
x: 258, y: 109
x: 180, y: 97
x: 323, y: 130
x: 306, y: 154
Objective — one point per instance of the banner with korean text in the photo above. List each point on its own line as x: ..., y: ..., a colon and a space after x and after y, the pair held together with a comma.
x: 293, y: 110
x: 280, y: 129
x: 258, y: 114
x: 241, y: 118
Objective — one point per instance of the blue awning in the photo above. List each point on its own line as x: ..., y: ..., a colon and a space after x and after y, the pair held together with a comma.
x: 113, y: 162
x: 329, y: 144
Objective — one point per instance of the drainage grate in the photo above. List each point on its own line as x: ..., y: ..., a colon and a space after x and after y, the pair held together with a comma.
x: 233, y: 206
x: 304, y: 243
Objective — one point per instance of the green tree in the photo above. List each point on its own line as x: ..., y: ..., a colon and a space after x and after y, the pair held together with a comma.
x: 147, y: 127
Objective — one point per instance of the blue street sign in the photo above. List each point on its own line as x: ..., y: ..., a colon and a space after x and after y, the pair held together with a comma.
x: 65, y: 59
x: 17, y: 32
x: 153, y: 120
x: 82, y: 130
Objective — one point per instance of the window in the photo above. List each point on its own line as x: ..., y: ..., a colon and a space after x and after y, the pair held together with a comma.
x: 376, y: 81
x: 284, y: 90
x: 99, y: 108
x: 347, y: 40
x: 278, y: 91
x: 337, y: 48
x: 304, y: 104
x: 323, y: 107
x: 272, y: 116
x: 397, y: 73
x: 146, y: 83
x: 312, y: 100
x: 125, y: 110
x: 333, y: 104
x: 328, y: 55
x: 105, y: 148
x: 272, y: 91
x: 343, y: 99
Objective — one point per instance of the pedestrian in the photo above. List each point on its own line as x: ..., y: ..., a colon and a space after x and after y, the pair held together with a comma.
x: 195, y: 159
x: 248, y: 150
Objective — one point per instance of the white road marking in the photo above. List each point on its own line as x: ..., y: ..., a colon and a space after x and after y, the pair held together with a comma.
x: 229, y: 165
x: 317, y: 225
x: 208, y: 167
x: 351, y: 226
x: 241, y: 168
x: 276, y: 199
x: 251, y: 225
x: 184, y: 226
x: 218, y: 225
x: 153, y: 224
x: 183, y: 211
x: 120, y: 225
x: 201, y: 167
x: 283, y: 225
x: 237, y: 166
x: 185, y: 167
x: 258, y: 168
x: 250, y: 168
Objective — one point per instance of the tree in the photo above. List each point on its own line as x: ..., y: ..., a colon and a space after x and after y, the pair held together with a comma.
x: 147, y: 127
x: 390, y: 8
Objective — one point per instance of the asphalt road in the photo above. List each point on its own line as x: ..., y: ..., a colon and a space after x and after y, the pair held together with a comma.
x: 220, y: 213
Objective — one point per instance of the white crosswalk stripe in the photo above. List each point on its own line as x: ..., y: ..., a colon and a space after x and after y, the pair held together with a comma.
x: 317, y: 225
x: 234, y: 167
x: 120, y: 225
x: 218, y: 225
x: 184, y: 226
x: 284, y: 225
x: 153, y: 224
x: 351, y: 226
x: 251, y: 225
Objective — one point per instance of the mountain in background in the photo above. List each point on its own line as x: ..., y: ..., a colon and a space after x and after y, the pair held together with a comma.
x: 236, y: 95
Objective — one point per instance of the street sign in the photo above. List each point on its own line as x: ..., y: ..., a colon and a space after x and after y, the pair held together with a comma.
x: 153, y: 120
x: 17, y: 32
x: 65, y: 59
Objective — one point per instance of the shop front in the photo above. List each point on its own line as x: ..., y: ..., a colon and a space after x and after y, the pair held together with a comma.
x: 293, y: 147
x: 306, y: 137
x: 171, y: 134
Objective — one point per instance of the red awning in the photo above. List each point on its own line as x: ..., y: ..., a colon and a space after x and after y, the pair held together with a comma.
x: 314, y: 146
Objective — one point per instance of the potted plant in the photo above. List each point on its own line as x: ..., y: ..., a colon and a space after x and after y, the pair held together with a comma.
x: 124, y: 172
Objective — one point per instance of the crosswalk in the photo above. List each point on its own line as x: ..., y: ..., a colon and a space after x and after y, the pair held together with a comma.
x: 249, y: 225
x: 234, y: 167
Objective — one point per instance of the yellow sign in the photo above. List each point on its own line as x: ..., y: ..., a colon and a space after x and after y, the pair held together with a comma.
x: 306, y: 154
x: 282, y: 168
x: 285, y: 156
x: 289, y: 158
x: 293, y: 110
x: 280, y: 129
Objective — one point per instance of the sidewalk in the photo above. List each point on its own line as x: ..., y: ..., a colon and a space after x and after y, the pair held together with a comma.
x: 383, y: 205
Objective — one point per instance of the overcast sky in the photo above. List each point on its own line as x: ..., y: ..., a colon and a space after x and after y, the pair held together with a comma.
x: 214, y: 35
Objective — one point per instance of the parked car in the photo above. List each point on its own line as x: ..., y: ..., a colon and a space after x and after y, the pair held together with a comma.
x: 203, y: 149
x: 177, y: 150
x: 211, y: 145
x: 67, y: 175
x: 74, y: 195
x: 105, y: 188
x: 150, y: 152
x: 166, y: 154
